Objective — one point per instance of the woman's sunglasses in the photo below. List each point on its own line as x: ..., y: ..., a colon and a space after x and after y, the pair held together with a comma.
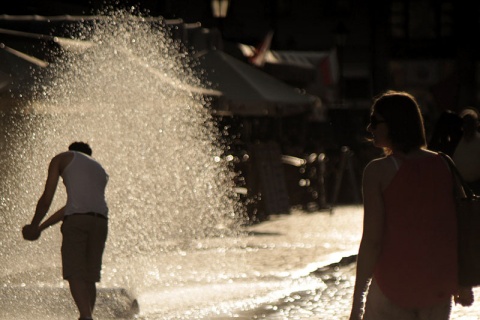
x: 374, y: 122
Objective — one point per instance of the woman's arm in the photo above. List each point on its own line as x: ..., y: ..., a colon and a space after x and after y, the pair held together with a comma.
x: 371, y: 243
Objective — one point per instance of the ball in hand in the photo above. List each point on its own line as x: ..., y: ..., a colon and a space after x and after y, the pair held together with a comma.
x: 30, y: 233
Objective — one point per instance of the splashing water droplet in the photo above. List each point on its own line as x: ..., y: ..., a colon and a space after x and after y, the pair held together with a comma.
x: 127, y: 96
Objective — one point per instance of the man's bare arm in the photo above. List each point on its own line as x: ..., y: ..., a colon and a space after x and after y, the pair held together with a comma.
x: 43, y: 204
x: 53, y: 219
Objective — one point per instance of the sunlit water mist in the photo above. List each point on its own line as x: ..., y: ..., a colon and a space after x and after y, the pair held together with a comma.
x: 174, y: 215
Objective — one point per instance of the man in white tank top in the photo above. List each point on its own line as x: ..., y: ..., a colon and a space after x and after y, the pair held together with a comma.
x: 85, y: 221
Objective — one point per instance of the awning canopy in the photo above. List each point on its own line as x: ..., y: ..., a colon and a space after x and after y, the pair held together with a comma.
x: 23, y: 52
x: 248, y: 91
x: 236, y: 88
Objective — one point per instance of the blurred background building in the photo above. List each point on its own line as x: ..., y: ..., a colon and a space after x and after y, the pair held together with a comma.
x: 420, y: 45
x: 336, y: 54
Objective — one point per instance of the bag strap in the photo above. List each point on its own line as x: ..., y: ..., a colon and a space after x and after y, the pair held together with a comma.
x: 467, y: 191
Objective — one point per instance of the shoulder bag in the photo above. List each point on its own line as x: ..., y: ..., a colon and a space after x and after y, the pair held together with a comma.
x: 468, y: 222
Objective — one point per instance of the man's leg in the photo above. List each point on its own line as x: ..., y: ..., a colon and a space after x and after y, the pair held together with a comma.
x: 82, y: 249
x: 81, y: 293
x: 92, y: 290
x: 95, y: 247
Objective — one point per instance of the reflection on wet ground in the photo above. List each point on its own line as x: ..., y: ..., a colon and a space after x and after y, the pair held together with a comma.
x: 333, y: 301
x: 321, y: 234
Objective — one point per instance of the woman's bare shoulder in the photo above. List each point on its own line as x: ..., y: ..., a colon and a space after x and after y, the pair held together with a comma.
x: 379, y: 164
x: 380, y: 171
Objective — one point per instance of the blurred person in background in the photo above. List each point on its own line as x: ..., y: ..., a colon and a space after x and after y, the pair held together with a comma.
x: 467, y: 153
x: 446, y: 133
x: 407, y: 260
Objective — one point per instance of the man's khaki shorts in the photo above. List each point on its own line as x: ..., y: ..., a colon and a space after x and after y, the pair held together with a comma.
x: 83, y: 243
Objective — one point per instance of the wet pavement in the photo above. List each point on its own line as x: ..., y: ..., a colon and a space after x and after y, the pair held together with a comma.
x: 333, y: 302
x: 339, y: 232
x: 306, y: 259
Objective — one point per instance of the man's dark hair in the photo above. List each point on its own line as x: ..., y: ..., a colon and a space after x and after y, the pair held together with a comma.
x: 81, y: 147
